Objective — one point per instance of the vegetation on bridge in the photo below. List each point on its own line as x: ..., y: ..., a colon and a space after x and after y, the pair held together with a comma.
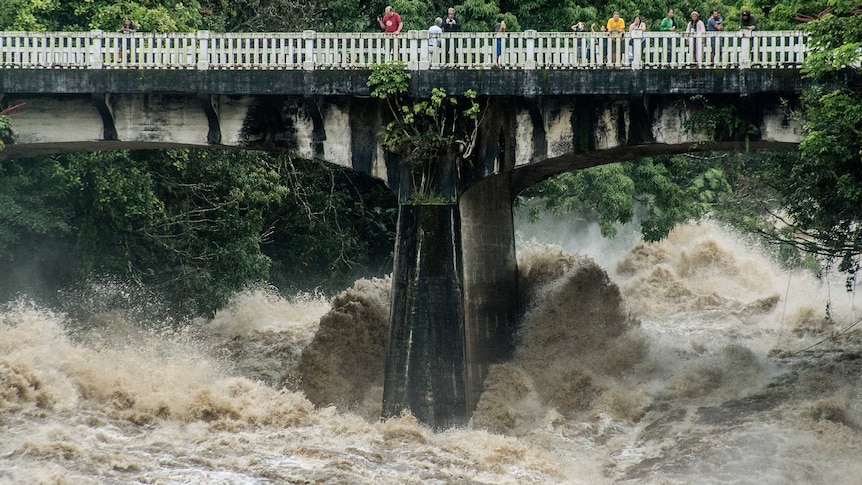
x: 425, y: 134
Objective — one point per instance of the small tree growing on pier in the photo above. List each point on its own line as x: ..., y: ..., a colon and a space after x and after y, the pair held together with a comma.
x: 424, y: 133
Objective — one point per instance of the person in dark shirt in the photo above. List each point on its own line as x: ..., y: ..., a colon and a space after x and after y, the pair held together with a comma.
x: 451, y: 24
x: 747, y: 22
x: 128, y: 27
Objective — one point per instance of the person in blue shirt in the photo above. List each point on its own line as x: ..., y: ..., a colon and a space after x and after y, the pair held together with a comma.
x: 713, y: 24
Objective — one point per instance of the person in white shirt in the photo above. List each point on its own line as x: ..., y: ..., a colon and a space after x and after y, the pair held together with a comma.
x: 435, y: 39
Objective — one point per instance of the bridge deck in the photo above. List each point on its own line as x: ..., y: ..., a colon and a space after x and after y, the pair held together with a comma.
x: 310, y: 50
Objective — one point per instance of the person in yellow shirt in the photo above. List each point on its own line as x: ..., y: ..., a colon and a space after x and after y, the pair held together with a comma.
x: 616, y: 25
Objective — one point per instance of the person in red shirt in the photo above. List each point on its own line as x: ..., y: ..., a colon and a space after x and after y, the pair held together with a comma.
x: 390, y: 22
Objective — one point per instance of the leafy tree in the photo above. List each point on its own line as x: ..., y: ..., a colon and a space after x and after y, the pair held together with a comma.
x: 184, y: 224
x: 269, y: 15
x: 670, y: 190
x: 37, y: 239
x: 189, y: 227
x: 81, y: 15
x: 481, y: 15
x: 335, y: 226
x: 821, y: 191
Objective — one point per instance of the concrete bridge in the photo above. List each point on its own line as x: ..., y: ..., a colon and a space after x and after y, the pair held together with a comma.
x: 455, y: 282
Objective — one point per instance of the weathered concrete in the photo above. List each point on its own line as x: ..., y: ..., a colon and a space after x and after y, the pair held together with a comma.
x: 492, y: 82
x: 490, y: 278
x: 535, y: 137
x: 425, y: 367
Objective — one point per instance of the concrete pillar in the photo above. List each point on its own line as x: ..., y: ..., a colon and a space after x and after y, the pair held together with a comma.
x: 413, y: 49
x: 490, y: 279
x: 530, y: 37
x: 203, y: 56
x: 454, y: 303
x: 637, y: 48
x: 308, y: 59
x: 745, y: 49
x: 95, y: 54
x: 425, y: 368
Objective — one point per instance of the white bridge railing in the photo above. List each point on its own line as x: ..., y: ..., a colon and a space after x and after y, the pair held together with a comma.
x: 318, y: 50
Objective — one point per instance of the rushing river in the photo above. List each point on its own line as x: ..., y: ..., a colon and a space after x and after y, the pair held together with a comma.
x: 689, y: 361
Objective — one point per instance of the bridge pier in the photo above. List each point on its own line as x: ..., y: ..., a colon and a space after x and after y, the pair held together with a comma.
x: 425, y: 367
x: 491, y: 302
x: 454, y: 304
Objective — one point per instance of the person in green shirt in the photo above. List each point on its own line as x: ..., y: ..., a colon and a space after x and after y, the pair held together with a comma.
x: 668, y: 24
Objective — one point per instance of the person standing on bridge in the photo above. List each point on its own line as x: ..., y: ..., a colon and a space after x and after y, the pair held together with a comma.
x: 695, y: 26
x: 123, y: 50
x: 451, y: 25
x: 669, y: 24
x: 128, y: 27
x: 435, y: 40
x: 391, y: 21
x: 636, y: 26
x: 713, y: 24
x: 391, y: 24
x: 616, y: 25
x: 579, y: 27
x: 500, y: 28
x: 747, y: 21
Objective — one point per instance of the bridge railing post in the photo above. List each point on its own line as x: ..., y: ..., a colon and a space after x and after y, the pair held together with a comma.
x: 203, y: 54
x: 530, y: 54
x: 428, y: 47
x: 96, y: 60
x: 637, y: 40
x: 413, y: 50
x: 745, y: 49
x: 308, y: 56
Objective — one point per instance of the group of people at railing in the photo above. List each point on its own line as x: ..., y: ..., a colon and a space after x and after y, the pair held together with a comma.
x: 613, y: 44
x: 612, y: 39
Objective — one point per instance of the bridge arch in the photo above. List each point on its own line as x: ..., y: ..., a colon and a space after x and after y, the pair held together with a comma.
x: 531, y: 137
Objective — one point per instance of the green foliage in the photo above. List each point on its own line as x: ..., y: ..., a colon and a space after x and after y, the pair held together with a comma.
x: 30, y: 202
x: 478, y: 15
x: 336, y: 226
x: 389, y: 80
x: 82, y: 15
x: 481, y: 15
x: 835, y: 45
x: 184, y: 224
x: 283, y: 16
x: 821, y: 191
x: 346, y: 16
x: 190, y: 227
x: 6, y: 116
x: 718, y: 123
x: 424, y: 132
x: 415, y: 14
x: 37, y: 237
x: 353, y: 15
x: 817, y: 205
x: 668, y: 190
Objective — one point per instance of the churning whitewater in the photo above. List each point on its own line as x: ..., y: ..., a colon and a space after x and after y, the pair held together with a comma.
x: 695, y: 360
